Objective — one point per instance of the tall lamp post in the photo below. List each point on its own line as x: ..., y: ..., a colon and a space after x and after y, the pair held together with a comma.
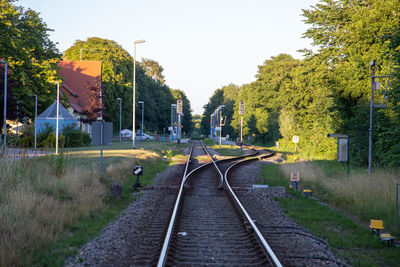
x: 120, y: 116
x: 5, y: 106
x: 17, y: 115
x: 141, y: 102
x: 35, y: 118
x: 58, y: 111
x: 134, y: 90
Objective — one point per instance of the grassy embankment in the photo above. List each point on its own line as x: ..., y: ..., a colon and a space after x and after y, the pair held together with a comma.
x: 353, y: 201
x: 51, y: 205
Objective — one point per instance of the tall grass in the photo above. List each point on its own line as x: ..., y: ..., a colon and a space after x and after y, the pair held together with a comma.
x: 366, y: 196
x: 38, y: 199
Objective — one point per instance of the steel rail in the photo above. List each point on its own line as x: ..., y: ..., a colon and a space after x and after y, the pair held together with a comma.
x: 168, y: 236
x: 167, y: 240
x: 271, y: 255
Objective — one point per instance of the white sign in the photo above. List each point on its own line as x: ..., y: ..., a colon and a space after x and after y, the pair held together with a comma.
x: 179, y: 106
x: 169, y: 128
x: 217, y: 128
x: 241, y: 108
x: 296, y: 139
x: 342, y: 149
x: 137, y: 171
x: 294, y: 177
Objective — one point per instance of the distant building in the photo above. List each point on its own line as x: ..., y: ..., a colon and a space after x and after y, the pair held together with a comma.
x: 82, y: 86
x: 49, y: 118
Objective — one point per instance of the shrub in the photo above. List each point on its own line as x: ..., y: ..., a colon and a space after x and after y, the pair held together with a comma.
x: 75, y: 137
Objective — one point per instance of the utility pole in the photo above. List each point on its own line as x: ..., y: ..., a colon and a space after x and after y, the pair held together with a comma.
x: 5, y: 106
x: 371, y: 108
x: 241, y: 112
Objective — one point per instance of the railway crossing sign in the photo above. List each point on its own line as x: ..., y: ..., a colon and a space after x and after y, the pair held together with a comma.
x: 179, y: 106
x: 241, y: 108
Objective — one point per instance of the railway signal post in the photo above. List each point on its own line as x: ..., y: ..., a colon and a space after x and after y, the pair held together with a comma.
x: 138, y: 171
x: 241, y: 112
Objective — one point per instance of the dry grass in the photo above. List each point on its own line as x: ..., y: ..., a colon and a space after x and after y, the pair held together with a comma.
x: 367, y: 197
x: 36, y: 204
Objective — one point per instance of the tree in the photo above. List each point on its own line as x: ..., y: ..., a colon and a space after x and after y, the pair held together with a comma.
x: 350, y: 34
x: 264, y: 97
x: 153, y: 70
x: 32, y: 58
x: 223, y: 96
x: 117, y: 76
x: 187, y: 120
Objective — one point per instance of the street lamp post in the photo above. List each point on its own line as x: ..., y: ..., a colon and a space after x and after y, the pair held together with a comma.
x: 120, y: 116
x: 134, y: 90
x: 35, y: 118
x: 58, y: 111
x: 5, y: 106
x: 372, y: 65
x: 141, y: 102
x: 17, y: 115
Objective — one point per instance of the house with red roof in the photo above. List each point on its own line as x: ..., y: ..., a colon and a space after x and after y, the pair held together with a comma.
x: 82, y: 86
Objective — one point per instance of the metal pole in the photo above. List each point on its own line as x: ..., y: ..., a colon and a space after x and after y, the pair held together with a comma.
x: 241, y: 129
x: 5, y: 106
x: 134, y: 91
x: 134, y: 95
x: 220, y: 128
x: 348, y: 157
x: 142, y: 118
x: 58, y: 111
x: 373, y: 64
x: 179, y: 128
x: 17, y: 115
x: 397, y: 206
x: 35, y: 121
x: 120, y: 119
x: 172, y: 126
x: 101, y: 147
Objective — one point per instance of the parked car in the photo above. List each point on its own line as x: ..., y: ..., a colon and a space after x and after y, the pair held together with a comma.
x: 144, y: 137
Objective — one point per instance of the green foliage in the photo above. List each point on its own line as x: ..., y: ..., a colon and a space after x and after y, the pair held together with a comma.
x: 350, y: 34
x: 227, y: 96
x: 187, y: 111
x: 329, y: 90
x: 75, y: 138
x: 117, y: 76
x: 169, y: 155
x: 153, y: 70
x: 32, y: 58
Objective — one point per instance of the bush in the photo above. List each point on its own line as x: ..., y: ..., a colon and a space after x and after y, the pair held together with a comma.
x: 75, y: 138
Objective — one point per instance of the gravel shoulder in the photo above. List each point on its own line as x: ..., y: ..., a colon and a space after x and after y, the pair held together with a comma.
x: 120, y: 239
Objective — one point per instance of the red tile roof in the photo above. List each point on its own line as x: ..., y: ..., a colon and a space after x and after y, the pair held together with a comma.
x: 77, y: 75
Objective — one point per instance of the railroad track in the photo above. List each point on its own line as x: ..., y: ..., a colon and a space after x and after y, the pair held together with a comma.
x: 209, y: 226
x: 200, y: 221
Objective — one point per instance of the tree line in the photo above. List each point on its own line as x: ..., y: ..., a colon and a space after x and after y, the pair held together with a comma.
x: 329, y: 90
x: 32, y: 62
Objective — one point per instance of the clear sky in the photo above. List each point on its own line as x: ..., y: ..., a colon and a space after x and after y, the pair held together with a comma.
x: 202, y: 45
